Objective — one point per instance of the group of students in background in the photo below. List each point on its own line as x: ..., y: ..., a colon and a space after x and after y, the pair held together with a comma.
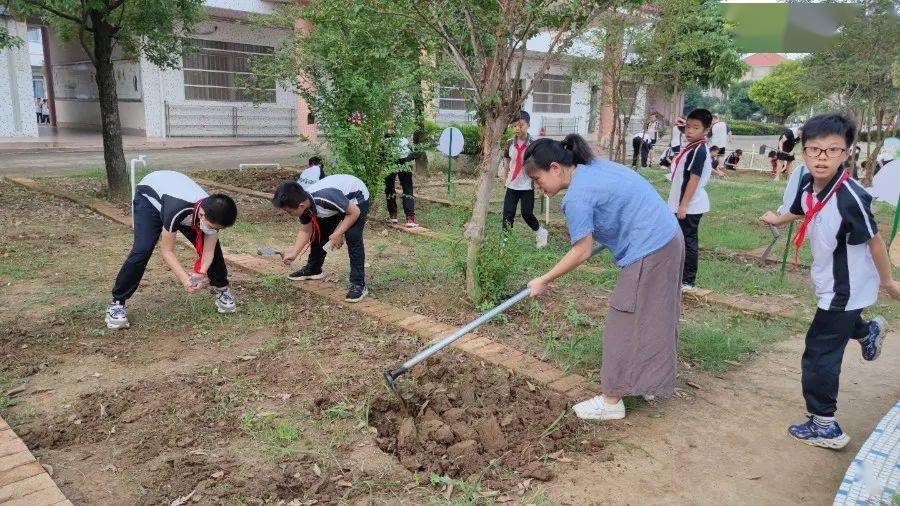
x: 42, y: 110
x: 652, y: 241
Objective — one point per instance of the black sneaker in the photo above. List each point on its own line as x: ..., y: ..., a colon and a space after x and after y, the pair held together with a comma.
x: 306, y: 272
x: 356, y: 293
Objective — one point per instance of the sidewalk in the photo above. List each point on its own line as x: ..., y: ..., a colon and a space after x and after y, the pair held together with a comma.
x: 65, y: 139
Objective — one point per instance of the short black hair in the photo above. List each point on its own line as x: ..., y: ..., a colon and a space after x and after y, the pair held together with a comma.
x: 315, y: 160
x: 714, y: 148
x: 220, y: 209
x: 290, y: 195
x: 524, y: 116
x: 702, y: 115
x: 828, y: 124
x: 738, y: 152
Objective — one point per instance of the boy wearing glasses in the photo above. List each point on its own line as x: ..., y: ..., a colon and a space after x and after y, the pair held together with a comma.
x: 850, y: 261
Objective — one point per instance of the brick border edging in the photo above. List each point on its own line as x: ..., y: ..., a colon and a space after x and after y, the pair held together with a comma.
x: 573, y: 386
x: 23, y: 480
x: 732, y: 301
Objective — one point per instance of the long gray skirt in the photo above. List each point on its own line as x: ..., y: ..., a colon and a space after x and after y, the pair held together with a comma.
x: 642, y: 325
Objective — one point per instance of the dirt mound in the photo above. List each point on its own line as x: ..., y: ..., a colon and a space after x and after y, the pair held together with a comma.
x: 474, y: 421
x: 264, y: 180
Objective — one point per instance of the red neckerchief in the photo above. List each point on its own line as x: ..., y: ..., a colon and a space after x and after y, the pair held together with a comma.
x: 813, y: 209
x: 316, y: 231
x: 519, y: 152
x: 198, y: 237
x: 690, y: 147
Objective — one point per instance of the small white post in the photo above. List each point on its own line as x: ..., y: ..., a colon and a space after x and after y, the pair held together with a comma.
x: 141, y: 159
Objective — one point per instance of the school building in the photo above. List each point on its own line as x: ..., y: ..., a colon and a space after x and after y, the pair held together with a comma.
x: 559, y: 104
x: 202, y: 99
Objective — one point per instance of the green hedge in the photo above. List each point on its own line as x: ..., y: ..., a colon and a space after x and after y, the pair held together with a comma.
x: 864, y: 136
x: 743, y: 127
x: 471, y: 136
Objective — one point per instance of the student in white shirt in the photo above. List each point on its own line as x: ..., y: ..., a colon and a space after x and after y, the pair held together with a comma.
x: 312, y: 173
x: 850, y: 265
x: 719, y: 136
x: 687, y: 196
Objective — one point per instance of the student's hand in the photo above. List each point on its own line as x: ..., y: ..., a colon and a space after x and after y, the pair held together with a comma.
x: 682, y: 212
x: 336, y: 239
x: 770, y: 218
x: 538, y: 287
x: 892, y: 288
x: 289, y: 256
x: 190, y: 285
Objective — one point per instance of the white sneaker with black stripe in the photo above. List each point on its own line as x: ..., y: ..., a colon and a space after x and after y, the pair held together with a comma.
x: 225, y: 302
x: 115, y: 316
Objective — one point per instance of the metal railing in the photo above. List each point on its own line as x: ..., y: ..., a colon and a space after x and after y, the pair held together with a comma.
x: 558, y: 126
x: 229, y: 121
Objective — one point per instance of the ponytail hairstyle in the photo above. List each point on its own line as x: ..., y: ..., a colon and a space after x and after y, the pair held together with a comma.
x: 573, y: 150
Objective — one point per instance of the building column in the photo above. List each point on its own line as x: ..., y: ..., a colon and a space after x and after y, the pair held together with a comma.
x: 305, y: 127
x: 153, y: 97
x: 17, y: 118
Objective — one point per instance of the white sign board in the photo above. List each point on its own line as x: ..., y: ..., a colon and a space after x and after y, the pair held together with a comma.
x: 451, y: 141
x: 886, y: 184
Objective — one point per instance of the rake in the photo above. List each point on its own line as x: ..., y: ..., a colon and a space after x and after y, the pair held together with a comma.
x: 391, y: 375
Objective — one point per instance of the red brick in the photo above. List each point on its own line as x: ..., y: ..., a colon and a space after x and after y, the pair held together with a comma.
x: 20, y: 473
x: 17, y: 459
x: 407, y: 323
x: 26, y: 487
x: 567, y: 383
x: 45, y: 497
x: 11, y: 446
x: 3, y: 424
x: 544, y: 376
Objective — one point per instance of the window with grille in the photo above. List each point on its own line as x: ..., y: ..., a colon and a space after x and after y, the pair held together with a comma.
x: 221, y: 71
x: 553, y: 94
x: 455, y: 96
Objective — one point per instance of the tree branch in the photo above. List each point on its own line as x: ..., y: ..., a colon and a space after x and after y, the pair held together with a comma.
x: 476, y: 44
x: 52, y: 10
x: 550, y: 56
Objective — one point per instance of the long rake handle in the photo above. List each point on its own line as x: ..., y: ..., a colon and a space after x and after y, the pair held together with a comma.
x: 472, y: 325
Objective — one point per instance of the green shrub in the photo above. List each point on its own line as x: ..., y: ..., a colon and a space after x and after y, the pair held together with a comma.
x: 500, y: 258
x: 746, y: 127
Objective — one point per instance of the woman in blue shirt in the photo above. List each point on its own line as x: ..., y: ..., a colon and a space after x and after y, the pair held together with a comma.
x: 613, y: 205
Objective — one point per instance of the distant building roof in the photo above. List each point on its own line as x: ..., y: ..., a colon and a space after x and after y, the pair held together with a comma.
x: 764, y: 59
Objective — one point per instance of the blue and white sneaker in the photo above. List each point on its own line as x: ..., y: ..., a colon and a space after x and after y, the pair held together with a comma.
x: 225, y: 301
x: 811, y: 433
x: 871, y: 344
x: 115, y: 316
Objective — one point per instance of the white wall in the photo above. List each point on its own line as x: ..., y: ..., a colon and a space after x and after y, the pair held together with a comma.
x: 579, y: 106
x: 17, y: 118
x: 167, y: 86
x: 75, y: 89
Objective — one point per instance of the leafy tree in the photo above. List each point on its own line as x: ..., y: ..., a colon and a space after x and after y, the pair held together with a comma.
x: 681, y: 44
x: 361, y: 74
x: 782, y: 92
x: 860, y: 73
x: 151, y: 28
x: 486, y: 43
x: 740, y: 106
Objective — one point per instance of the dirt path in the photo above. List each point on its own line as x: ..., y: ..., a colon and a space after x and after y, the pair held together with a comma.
x: 729, y: 444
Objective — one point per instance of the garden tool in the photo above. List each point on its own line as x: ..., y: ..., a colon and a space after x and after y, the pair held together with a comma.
x: 394, y: 373
x: 775, y: 235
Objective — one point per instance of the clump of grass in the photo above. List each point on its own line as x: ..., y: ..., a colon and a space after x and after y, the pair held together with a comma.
x: 711, y: 340
x: 270, y: 429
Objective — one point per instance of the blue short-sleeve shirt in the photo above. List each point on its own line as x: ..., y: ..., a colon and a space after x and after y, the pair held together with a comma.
x: 620, y: 209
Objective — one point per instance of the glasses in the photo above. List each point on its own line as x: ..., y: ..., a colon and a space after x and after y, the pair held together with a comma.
x: 814, y: 152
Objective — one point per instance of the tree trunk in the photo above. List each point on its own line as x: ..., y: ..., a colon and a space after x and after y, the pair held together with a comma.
x: 492, y: 129
x: 421, y: 163
x: 113, y: 153
x: 869, y: 172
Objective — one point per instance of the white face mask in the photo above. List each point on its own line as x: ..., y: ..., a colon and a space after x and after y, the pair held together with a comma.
x: 206, y: 229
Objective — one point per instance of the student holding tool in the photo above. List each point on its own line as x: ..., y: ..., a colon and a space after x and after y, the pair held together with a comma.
x: 613, y: 205
x: 167, y: 202
x: 330, y: 211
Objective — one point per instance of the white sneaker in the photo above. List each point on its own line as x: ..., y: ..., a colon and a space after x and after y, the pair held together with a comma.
x: 596, y: 408
x: 540, y: 237
x: 688, y: 288
x: 115, y: 316
x: 225, y: 301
